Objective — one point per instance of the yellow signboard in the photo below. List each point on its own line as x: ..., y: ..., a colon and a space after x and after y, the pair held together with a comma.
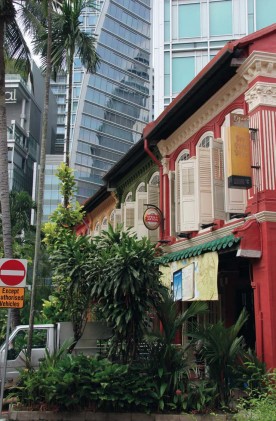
x: 238, y: 154
x: 11, y: 297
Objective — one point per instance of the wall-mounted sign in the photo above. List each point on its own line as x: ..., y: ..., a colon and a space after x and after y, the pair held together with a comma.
x: 239, y: 153
x: 11, y: 297
x: 152, y: 218
x: 10, y: 96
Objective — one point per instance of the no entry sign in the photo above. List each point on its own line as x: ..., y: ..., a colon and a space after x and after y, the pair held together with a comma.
x: 13, y: 272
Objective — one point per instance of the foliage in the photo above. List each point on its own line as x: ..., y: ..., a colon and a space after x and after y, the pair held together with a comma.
x: 259, y: 405
x: 221, y: 349
x: 249, y: 372
x: 80, y: 382
x: 162, y: 352
x: 72, y: 286
x: 63, y: 219
x: 127, y: 286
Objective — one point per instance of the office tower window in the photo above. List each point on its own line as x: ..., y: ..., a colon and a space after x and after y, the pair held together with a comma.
x: 183, y: 71
x: 167, y: 20
x: 265, y: 13
x: 189, y: 20
x: 167, y: 74
x: 220, y: 17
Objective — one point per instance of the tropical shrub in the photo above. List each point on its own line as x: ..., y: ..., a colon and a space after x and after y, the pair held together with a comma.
x: 221, y: 349
x: 259, y: 405
x: 80, y: 382
x: 163, y: 353
x: 126, y: 285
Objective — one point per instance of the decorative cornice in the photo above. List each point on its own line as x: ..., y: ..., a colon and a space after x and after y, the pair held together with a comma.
x: 259, y: 63
x: 224, y: 97
x: 262, y: 93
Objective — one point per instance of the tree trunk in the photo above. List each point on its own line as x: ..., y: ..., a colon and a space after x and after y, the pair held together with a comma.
x: 68, y: 127
x: 41, y: 181
x: 4, y: 172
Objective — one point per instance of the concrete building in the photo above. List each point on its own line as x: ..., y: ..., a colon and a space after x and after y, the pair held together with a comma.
x: 24, y: 106
x: 189, y: 33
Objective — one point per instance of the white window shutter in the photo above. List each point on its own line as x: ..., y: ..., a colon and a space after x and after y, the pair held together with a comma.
x: 129, y: 215
x: 235, y: 200
x: 177, y: 198
x: 173, y: 204
x: 204, y: 183
x: 117, y: 218
x: 218, y: 179
x: 188, y: 196
x: 153, y: 199
x: 141, y: 200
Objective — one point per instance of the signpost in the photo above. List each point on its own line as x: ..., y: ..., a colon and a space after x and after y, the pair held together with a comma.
x: 13, y: 274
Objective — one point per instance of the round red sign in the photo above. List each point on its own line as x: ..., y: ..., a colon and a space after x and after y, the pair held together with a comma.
x: 12, y: 272
x: 152, y: 218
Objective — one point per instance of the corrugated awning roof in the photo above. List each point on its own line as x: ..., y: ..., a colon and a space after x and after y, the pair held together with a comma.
x: 214, y: 245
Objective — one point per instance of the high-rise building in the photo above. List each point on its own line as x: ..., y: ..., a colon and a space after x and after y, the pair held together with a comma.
x: 189, y: 33
x: 111, y: 107
x: 24, y: 105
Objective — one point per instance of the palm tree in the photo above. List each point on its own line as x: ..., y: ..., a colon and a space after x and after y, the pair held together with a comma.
x: 36, y: 16
x: 13, y: 46
x: 162, y: 349
x: 221, y: 347
x: 70, y: 40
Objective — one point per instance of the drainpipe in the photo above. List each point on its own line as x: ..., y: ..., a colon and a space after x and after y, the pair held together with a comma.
x: 161, y: 194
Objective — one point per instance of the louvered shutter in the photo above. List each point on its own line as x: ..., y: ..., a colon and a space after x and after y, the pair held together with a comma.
x: 204, y: 185
x: 235, y: 200
x: 129, y: 215
x: 218, y: 179
x: 188, y: 198
x: 173, y: 204
x: 177, y: 198
x: 153, y: 199
x: 141, y: 200
x: 117, y: 218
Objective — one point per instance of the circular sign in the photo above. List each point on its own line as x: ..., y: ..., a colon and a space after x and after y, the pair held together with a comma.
x: 12, y: 272
x: 152, y: 218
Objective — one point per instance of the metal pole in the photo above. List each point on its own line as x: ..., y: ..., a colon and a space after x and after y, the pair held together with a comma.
x: 3, y: 379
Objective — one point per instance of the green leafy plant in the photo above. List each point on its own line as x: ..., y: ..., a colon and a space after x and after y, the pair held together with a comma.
x: 222, y: 347
x: 162, y: 352
x: 259, y: 405
x: 126, y: 285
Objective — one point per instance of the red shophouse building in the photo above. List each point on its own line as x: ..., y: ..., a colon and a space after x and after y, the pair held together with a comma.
x: 191, y: 144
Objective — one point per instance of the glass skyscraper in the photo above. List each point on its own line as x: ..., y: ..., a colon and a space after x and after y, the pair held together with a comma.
x: 189, y: 33
x: 111, y: 107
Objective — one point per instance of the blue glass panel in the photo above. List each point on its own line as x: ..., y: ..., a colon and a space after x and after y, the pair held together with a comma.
x: 189, y: 20
x: 265, y: 13
x: 183, y: 71
x: 221, y: 18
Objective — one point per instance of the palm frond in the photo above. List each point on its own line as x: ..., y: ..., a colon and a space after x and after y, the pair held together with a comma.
x: 16, y: 48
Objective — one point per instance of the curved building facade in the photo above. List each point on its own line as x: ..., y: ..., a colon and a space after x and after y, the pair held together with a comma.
x: 111, y: 107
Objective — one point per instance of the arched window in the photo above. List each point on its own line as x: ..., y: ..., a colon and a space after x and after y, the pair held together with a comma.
x: 205, y: 140
x: 104, y: 223
x: 128, y: 197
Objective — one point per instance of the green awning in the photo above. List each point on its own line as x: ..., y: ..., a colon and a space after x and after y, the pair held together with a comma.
x: 214, y: 245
